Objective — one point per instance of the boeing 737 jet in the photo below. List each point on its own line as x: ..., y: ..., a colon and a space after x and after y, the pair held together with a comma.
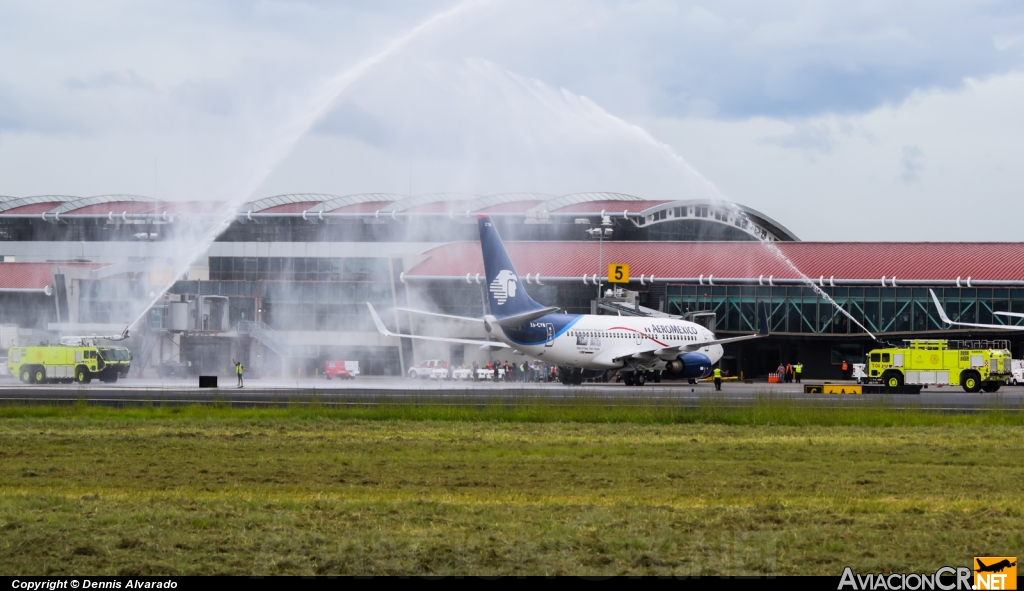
x: 947, y: 320
x: 584, y: 345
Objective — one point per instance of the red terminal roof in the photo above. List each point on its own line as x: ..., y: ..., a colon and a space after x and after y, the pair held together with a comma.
x: 366, y: 207
x: 511, y: 207
x: 34, y: 208
x: 33, y: 275
x: 609, y: 205
x: 115, y: 207
x: 291, y: 207
x: 846, y: 260
x: 435, y: 207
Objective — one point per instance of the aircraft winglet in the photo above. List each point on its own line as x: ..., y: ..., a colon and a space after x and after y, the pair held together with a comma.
x: 942, y: 311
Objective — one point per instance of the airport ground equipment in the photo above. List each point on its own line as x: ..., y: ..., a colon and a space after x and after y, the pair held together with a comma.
x: 974, y: 365
x: 1018, y: 372
x: 343, y: 370
x: 425, y: 369
x: 829, y: 388
x: 62, y: 363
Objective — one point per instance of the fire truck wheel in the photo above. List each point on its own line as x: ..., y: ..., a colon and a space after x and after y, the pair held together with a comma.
x: 39, y: 376
x: 971, y: 381
x: 892, y: 379
x: 990, y: 386
x: 26, y: 375
x: 82, y: 375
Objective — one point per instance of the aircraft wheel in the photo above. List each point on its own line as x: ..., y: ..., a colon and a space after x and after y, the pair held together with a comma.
x: 627, y: 378
x: 657, y: 377
x: 640, y: 378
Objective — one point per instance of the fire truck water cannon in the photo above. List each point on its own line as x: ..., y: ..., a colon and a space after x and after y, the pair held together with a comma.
x: 90, y: 341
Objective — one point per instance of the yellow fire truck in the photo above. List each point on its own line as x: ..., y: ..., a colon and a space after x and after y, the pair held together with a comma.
x: 59, y: 363
x: 974, y: 365
x: 76, y: 359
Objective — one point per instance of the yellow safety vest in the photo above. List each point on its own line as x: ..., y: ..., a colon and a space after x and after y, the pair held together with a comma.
x: 718, y: 373
x: 238, y: 369
x: 798, y: 368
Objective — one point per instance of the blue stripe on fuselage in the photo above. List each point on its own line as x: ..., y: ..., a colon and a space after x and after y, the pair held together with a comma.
x: 535, y: 332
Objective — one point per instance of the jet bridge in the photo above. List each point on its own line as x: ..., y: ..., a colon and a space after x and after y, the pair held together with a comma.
x: 625, y: 303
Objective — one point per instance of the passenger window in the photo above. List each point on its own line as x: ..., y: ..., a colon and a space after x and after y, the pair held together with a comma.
x: 885, y: 358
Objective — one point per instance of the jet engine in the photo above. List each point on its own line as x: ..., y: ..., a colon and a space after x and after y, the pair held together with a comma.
x: 689, y: 366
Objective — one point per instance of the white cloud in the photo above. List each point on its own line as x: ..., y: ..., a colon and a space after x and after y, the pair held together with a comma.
x: 939, y: 166
x: 843, y: 120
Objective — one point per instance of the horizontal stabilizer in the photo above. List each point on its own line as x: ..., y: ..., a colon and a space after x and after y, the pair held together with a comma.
x: 384, y: 331
x: 521, y: 319
x: 435, y: 314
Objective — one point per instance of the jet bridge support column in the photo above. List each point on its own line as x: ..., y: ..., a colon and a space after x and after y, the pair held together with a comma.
x: 400, y: 297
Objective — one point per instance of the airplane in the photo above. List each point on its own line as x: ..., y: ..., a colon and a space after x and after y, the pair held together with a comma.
x: 583, y: 345
x: 994, y: 568
x: 948, y: 321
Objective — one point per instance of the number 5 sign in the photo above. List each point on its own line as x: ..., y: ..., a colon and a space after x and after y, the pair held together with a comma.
x: 618, y: 273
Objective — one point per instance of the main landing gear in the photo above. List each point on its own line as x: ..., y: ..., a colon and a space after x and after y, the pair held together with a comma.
x: 640, y: 377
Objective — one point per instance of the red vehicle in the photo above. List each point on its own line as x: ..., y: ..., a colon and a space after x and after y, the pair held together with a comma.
x: 343, y: 370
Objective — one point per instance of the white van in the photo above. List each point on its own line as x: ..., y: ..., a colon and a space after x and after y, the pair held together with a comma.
x: 1017, y: 378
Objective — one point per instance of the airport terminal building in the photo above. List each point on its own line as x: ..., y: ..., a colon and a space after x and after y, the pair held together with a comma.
x: 285, y: 287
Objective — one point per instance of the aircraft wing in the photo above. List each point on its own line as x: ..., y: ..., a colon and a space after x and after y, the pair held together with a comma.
x: 490, y: 345
x: 448, y: 316
x: 763, y: 331
x: 947, y: 320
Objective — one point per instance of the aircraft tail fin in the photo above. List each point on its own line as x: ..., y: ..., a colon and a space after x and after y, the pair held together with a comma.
x: 505, y: 293
x: 763, y: 328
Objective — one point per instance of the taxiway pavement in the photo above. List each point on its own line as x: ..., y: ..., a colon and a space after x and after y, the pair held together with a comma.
x: 363, y: 390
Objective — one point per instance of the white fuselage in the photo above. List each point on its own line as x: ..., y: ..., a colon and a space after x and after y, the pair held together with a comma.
x: 609, y: 342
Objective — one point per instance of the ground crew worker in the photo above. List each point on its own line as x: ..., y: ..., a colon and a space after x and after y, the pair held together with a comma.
x: 475, y: 368
x: 718, y: 379
x: 238, y: 370
x: 797, y: 370
x: 846, y: 366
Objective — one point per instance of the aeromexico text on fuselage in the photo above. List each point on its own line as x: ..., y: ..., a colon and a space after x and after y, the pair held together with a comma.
x: 536, y: 332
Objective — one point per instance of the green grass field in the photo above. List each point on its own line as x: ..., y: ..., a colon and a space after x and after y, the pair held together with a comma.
x: 521, y: 489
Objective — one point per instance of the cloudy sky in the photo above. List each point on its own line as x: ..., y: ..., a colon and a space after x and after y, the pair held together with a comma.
x: 844, y: 121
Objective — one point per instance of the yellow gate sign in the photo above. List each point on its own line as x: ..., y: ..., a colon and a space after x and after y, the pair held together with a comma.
x: 618, y: 273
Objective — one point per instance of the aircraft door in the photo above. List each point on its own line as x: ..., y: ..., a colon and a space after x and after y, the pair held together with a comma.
x: 550, y: 340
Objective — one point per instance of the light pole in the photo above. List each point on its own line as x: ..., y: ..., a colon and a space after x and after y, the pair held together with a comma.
x: 604, y: 230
